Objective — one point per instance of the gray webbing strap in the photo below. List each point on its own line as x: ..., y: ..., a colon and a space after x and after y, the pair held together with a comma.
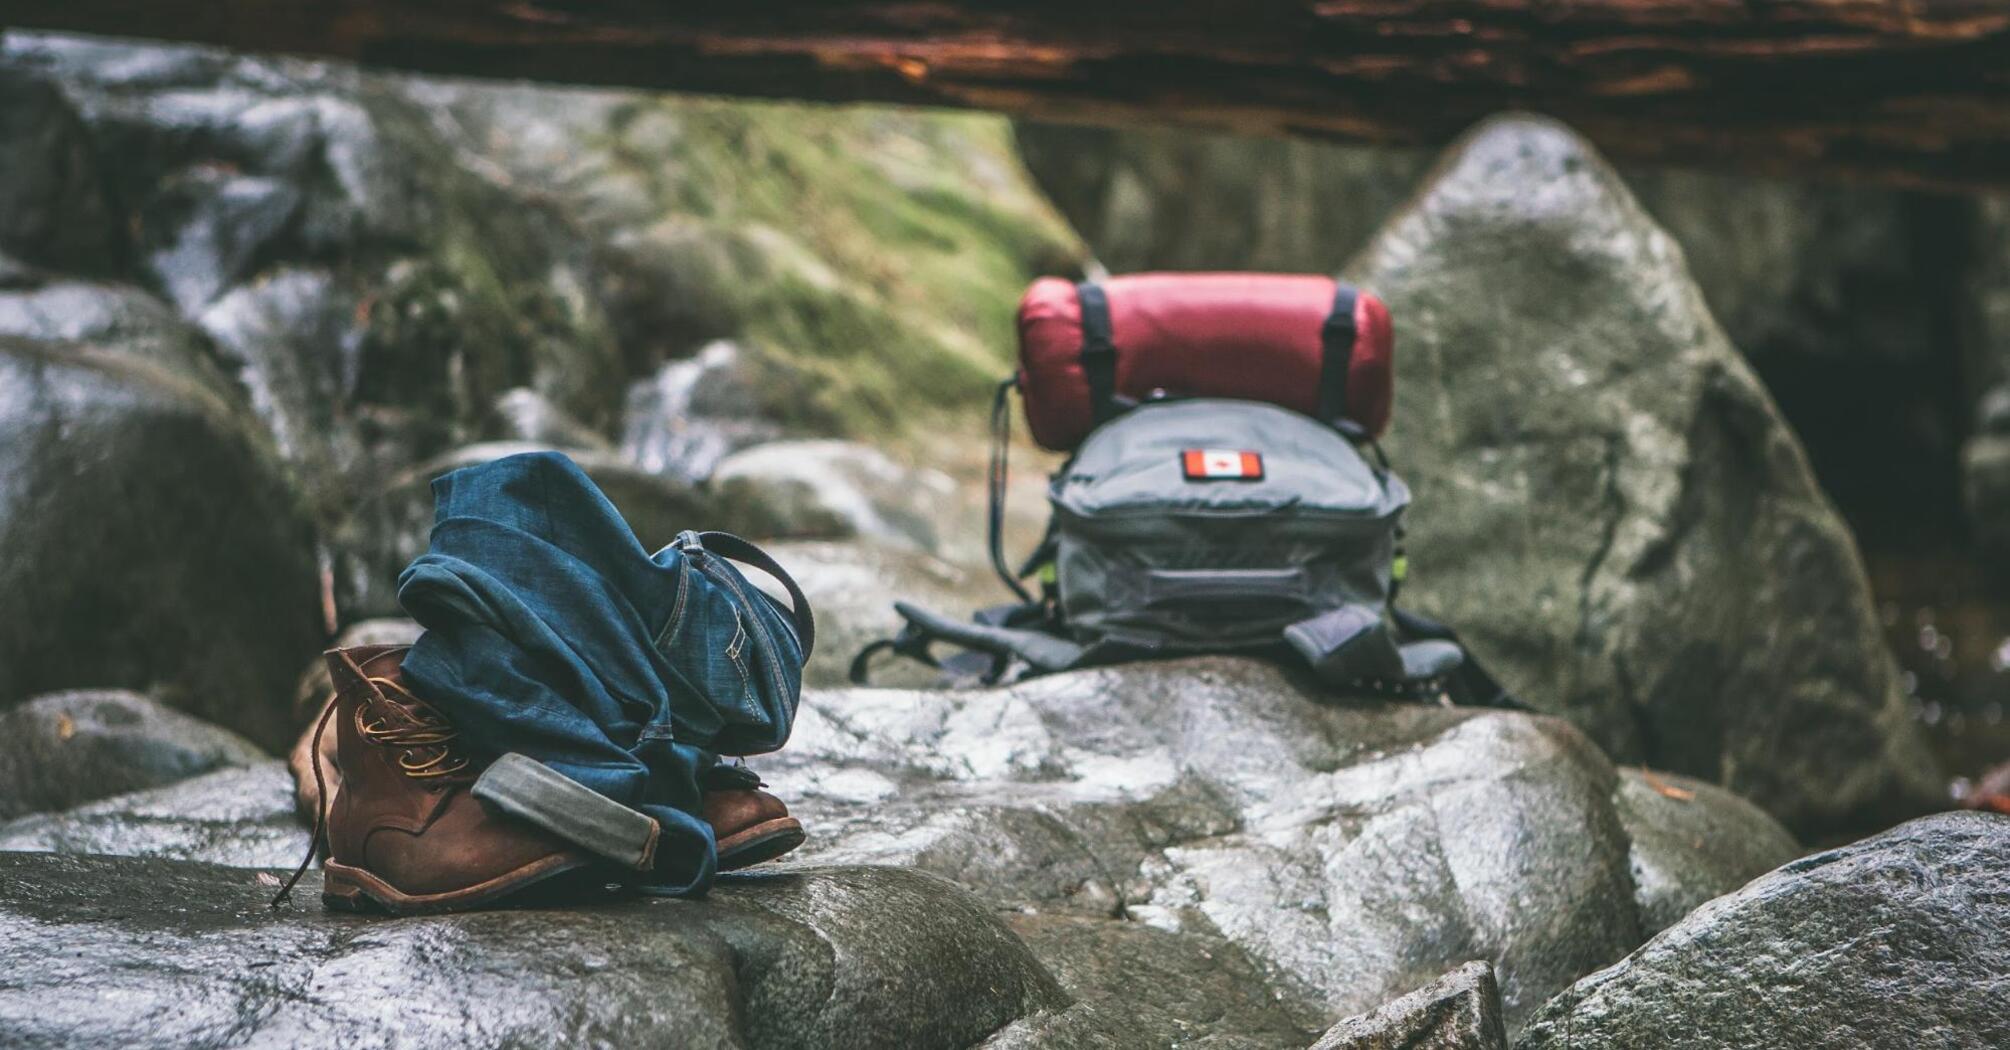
x: 529, y: 790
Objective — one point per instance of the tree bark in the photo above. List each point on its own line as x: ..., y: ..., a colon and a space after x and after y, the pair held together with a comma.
x: 1912, y: 92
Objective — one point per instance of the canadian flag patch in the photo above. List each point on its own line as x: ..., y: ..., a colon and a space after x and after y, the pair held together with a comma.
x: 1220, y: 464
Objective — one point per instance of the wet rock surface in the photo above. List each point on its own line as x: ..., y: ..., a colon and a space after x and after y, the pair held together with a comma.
x: 1690, y: 841
x: 1900, y: 940
x: 799, y: 959
x: 1352, y: 854
x: 1459, y: 1011
x: 1135, y: 985
x: 371, y: 294
x: 1609, y: 506
x: 65, y: 749
x: 1195, y: 850
x: 243, y: 817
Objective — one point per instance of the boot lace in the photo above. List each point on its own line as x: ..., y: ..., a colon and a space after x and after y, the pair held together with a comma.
x: 424, y: 743
x: 426, y: 752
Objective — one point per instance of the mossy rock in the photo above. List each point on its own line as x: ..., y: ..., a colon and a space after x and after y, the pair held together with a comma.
x: 878, y: 254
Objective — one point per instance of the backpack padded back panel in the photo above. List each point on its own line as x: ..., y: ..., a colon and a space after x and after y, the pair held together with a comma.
x: 1209, y: 524
x: 1261, y: 337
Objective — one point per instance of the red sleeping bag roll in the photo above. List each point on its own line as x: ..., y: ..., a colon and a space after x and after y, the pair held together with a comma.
x: 1305, y: 342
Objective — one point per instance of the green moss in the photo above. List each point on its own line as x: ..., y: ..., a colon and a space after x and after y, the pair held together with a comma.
x: 879, y: 252
x: 485, y: 300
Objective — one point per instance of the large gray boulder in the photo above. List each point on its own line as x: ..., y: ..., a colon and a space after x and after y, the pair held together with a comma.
x: 1608, y: 504
x: 241, y: 816
x: 151, y: 540
x: 811, y: 958
x: 1901, y: 940
x: 65, y: 749
x: 1196, y: 850
x: 1550, y: 279
x: 54, y: 208
x: 372, y: 292
x: 1690, y: 841
x: 1353, y: 853
x: 832, y: 490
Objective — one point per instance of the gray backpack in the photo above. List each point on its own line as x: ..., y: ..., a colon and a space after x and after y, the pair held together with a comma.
x: 1209, y: 525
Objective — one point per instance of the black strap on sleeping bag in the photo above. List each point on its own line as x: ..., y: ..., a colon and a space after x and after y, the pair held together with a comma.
x: 1337, y: 339
x: 1099, y: 353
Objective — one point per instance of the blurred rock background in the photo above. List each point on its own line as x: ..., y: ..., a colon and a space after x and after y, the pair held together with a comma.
x: 253, y: 304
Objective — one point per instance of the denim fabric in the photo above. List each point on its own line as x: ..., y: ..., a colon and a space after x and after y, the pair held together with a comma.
x: 550, y: 631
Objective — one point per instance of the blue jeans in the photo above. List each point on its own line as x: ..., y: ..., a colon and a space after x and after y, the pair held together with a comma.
x: 552, y: 632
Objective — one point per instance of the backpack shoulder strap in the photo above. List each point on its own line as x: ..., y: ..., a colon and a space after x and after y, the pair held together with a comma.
x: 1352, y: 648
x: 1043, y: 651
x: 727, y: 545
x: 1476, y: 685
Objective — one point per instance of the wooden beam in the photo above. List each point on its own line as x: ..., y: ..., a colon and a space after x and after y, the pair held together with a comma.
x: 1913, y: 92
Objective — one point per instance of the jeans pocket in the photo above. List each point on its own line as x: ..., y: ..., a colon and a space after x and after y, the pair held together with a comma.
x: 666, y: 639
x: 736, y: 652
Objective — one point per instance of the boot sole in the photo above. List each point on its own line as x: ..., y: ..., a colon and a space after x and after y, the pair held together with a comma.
x: 346, y: 888
x: 759, y: 844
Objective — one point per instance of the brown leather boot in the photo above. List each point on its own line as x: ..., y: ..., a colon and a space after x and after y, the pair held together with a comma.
x: 403, y: 831
x: 751, y: 826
